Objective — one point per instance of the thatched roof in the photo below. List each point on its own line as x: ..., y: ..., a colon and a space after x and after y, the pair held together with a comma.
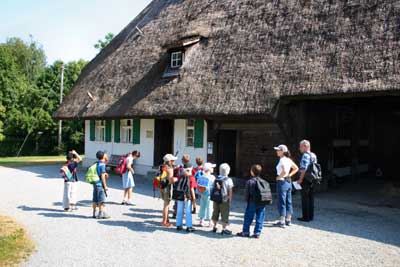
x: 250, y: 54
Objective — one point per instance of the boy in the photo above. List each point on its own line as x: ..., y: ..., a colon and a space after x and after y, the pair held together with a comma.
x: 253, y: 209
x: 68, y: 172
x: 204, y: 187
x: 223, y: 185
x: 178, y: 172
x: 100, y: 188
x: 185, y: 185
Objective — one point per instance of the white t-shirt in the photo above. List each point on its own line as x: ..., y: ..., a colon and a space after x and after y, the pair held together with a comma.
x: 285, y: 164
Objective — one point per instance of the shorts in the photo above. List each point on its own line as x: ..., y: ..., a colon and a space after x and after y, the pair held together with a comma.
x: 223, y: 209
x: 99, y: 196
x: 165, y: 195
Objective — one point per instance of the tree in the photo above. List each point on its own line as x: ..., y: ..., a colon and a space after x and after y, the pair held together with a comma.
x: 101, y: 44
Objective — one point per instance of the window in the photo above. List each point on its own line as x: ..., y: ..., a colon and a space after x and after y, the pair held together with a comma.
x: 176, y: 59
x: 126, y: 131
x: 100, y: 131
x: 190, y: 133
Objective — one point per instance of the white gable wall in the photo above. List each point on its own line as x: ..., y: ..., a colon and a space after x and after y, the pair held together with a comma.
x: 146, y: 146
x: 180, y: 143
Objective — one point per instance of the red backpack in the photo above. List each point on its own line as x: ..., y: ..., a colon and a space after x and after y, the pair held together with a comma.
x: 121, y: 167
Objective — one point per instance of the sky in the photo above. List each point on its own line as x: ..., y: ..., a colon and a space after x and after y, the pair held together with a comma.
x: 67, y: 29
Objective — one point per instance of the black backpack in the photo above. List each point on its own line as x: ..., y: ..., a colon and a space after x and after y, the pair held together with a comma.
x: 181, y: 189
x: 313, y: 173
x: 220, y: 195
x: 262, y: 194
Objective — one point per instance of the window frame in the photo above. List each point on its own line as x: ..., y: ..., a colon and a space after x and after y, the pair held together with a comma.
x: 126, y: 131
x: 188, y: 128
x: 100, y: 130
x: 175, y: 60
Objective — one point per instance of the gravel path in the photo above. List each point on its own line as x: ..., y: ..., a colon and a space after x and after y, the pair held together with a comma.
x: 344, y: 234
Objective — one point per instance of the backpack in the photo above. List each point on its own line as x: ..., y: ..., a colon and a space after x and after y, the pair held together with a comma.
x: 92, y: 176
x: 313, y: 172
x: 198, y: 173
x: 262, y: 194
x: 181, y: 189
x: 66, y: 173
x: 219, y: 193
x: 203, y: 185
x: 161, y: 178
x: 122, y: 165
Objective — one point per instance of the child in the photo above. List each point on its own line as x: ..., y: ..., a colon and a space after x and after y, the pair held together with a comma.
x: 178, y: 172
x: 204, y: 187
x: 68, y: 172
x: 197, y: 172
x: 127, y: 178
x: 165, y: 189
x: 253, y: 208
x: 100, y: 188
x: 221, y: 195
x: 184, y: 194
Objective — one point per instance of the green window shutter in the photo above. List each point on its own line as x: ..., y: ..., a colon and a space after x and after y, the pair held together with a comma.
x: 92, y: 130
x: 117, y: 129
x: 199, y: 133
x: 108, y: 130
x: 136, y: 131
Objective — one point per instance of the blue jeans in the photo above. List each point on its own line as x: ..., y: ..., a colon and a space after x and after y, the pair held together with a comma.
x: 99, y: 196
x: 205, y: 208
x: 251, y: 210
x: 284, y: 195
x: 184, y: 207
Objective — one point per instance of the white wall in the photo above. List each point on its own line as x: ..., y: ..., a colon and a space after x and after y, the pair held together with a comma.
x: 146, y: 146
x: 180, y: 143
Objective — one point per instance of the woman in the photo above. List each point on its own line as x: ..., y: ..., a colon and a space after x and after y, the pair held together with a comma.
x: 285, y: 169
x: 127, y: 178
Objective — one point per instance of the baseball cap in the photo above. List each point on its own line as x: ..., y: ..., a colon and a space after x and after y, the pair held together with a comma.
x: 208, y: 166
x: 282, y: 148
x: 169, y: 157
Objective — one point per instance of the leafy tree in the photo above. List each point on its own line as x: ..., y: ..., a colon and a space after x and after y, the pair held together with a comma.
x: 101, y: 44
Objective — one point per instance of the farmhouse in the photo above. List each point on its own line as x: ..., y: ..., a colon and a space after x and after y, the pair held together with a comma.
x: 229, y: 79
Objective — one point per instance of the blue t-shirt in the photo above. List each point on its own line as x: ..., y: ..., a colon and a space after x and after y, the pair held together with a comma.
x: 306, y: 159
x: 101, y: 169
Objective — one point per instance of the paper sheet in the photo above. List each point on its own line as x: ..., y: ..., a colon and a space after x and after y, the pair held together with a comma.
x: 296, y: 185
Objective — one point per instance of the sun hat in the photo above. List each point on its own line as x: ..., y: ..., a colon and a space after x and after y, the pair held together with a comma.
x: 208, y: 166
x: 169, y: 157
x: 224, y: 169
x: 282, y: 148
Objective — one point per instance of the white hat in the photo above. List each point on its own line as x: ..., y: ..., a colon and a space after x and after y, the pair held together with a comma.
x: 169, y: 157
x: 282, y: 148
x: 224, y: 169
x: 208, y: 166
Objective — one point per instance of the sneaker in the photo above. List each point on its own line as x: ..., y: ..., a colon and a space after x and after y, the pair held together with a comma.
x: 67, y: 210
x: 123, y: 202
x: 215, y: 229
x: 129, y: 203
x: 288, y: 223
x: 226, y: 232
x: 103, y: 216
x: 190, y: 229
x: 255, y: 236
x: 179, y: 228
x: 280, y: 224
x: 241, y: 234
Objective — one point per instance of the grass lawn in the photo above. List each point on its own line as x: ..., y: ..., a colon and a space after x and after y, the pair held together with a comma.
x: 31, y: 161
x: 15, y: 245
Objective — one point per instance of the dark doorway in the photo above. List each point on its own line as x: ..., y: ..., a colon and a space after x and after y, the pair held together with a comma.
x: 163, y: 139
x: 227, y: 149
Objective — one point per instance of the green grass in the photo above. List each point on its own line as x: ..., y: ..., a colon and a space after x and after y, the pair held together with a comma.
x: 15, y: 245
x: 31, y: 161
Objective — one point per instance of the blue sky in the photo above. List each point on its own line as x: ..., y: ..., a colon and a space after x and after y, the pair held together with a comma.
x: 67, y: 29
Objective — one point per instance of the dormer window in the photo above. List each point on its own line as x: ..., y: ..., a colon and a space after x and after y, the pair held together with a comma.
x: 176, y: 59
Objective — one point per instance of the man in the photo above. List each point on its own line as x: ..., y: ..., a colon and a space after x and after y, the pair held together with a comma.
x: 307, y: 192
x: 165, y: 190
x: 100, y: 188
x: 68, y: 172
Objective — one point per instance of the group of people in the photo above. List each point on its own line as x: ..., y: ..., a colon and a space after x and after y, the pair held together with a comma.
x: 185, y: 185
